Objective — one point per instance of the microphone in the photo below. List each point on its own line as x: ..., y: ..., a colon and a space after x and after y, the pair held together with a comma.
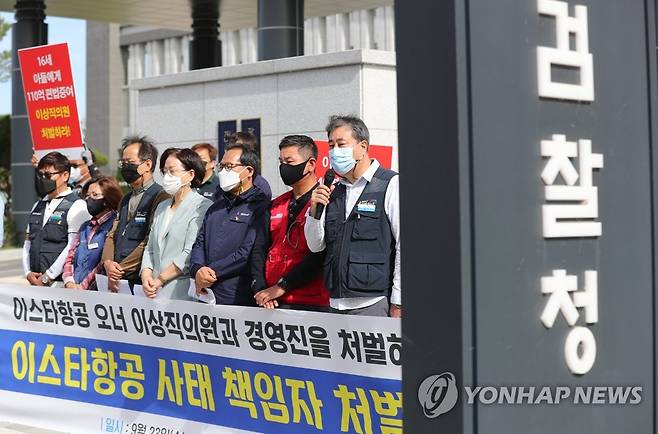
x: 87, y: 157
x: 329, y: 177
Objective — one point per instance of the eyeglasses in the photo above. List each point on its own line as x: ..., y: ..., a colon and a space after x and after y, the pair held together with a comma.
x: 122, y: 163
x: 48, y: 175
x: 228, y: 166
x: 173, y: 172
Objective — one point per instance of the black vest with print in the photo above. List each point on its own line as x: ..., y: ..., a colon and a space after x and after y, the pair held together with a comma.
x: 360, y: 249
x: 48, y: 240
x: 131, y: 232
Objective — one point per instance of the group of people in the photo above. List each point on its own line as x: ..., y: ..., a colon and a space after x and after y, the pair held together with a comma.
x: 321, y: 246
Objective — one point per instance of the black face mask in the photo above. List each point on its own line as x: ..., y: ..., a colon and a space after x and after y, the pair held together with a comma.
x: 130, y: 173
x: 44, y: 186
x: 95, y: 206
x: 292, y: 173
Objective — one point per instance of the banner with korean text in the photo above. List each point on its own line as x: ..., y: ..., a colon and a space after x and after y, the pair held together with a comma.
x: 50, y: 100
x: 88, y: 362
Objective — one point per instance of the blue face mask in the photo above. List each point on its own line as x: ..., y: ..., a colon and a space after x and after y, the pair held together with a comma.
x: 342, y: 159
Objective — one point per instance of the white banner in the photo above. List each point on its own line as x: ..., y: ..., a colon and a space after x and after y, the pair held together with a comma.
x: 89, y: 362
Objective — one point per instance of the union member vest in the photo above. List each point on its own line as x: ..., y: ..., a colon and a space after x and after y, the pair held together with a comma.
x: 130, y: 233
x: 360, y: 249
x: 48, y: 240
x: 88, y: 253
x: 288, y: 249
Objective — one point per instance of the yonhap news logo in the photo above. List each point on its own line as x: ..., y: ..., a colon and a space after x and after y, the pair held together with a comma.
x: 438, y: 394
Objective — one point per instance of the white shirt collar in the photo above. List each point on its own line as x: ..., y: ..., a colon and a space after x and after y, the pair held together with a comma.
x: 59, y: 196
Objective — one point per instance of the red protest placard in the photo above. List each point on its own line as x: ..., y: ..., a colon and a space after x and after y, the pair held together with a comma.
x: 50, y: 99
x: 382, y: 153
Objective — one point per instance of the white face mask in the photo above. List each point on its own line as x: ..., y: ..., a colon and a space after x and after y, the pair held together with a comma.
x: 228, y: 179
x: 75, y: 175
x: 171, y: 184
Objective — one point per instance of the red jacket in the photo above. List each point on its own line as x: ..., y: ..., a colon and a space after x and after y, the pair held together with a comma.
x: 287, y: 251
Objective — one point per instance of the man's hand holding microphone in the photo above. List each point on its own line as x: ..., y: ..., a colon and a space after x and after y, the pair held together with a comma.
x: 320, y: 196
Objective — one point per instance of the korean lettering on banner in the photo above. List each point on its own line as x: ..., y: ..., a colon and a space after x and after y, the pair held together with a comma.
x: 50, y: 99
x: 571, y: 208
x: 198, y: 388
x: 261, y: 392
x: 71, y: 366
x: 290, y: 400
x: 274, y: 337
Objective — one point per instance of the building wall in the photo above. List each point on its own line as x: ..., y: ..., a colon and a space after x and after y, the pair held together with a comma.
x: 167, y: 52
x: 151, y: 52
x: 105, y: 105
x: 290, y: 96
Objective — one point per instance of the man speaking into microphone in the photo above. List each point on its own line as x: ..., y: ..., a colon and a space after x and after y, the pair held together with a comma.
x: 285, y: 273
x: 359, y: 227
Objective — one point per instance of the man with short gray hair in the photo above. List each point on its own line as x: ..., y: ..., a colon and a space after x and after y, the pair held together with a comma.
x: 360, y: 226
x: 124, y: 247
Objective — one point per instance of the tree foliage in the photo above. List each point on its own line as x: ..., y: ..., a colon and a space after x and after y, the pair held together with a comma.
x: 5, y: 55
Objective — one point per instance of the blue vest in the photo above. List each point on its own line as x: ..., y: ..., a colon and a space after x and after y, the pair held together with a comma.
x: 360, y: 249
x: 48, y: 240
x: 131, y: 232
x: 86, y: 259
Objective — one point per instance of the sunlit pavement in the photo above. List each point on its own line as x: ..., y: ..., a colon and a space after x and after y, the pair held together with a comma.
x: 11, y: 269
